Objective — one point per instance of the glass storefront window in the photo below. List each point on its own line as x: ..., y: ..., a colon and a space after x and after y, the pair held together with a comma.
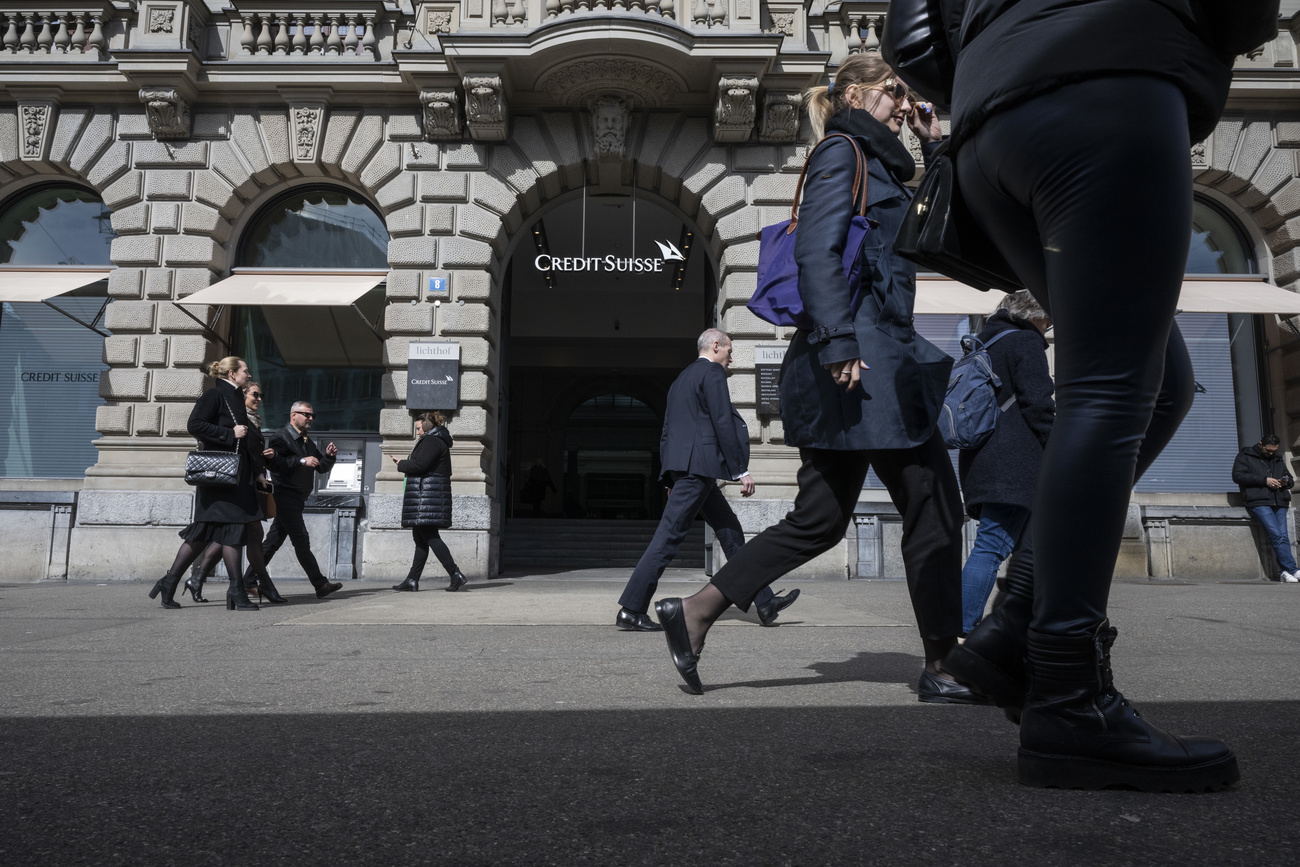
x: 326, y: 356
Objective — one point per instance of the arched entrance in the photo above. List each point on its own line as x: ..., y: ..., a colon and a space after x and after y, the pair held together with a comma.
x: 603, y: 299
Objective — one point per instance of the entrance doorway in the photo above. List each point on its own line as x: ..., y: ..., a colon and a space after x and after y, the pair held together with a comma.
x: 603, y: 300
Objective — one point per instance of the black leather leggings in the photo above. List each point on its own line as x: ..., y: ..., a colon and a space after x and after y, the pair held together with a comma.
x: 1087, y: 191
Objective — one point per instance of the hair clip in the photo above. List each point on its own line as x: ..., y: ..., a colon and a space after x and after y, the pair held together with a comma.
x: 830, y: 88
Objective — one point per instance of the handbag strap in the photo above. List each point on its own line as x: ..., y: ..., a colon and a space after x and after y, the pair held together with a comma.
x: 232, y: 418
x: 860, y: 179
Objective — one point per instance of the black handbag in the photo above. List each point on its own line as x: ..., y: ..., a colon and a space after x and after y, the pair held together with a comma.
x: 940, y: 234
x: 915, y: 44
x: 213, y: 468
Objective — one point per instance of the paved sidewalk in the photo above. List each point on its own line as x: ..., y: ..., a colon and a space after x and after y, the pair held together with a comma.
x: 512, y: 724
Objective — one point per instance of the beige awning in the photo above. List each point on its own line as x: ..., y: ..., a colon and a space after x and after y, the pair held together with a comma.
x: 18, y: 285
x: 1244, y: 295
x: 287, y: 289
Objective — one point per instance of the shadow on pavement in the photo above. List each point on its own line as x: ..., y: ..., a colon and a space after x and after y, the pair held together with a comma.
x: 861, y: 785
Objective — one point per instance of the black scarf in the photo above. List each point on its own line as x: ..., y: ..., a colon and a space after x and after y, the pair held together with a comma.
x: 884, y: 144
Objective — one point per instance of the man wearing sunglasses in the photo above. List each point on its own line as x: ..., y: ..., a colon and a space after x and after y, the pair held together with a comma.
x: 296, y: 460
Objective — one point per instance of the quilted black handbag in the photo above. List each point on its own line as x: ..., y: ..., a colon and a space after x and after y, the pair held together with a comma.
x: 212, y: 468
x: 940, y: 234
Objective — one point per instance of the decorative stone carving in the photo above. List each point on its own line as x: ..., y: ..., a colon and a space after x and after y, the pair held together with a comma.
x: 783, y: 23
x: 733, y: 117
x: 161, y: 18
x: 438, y: 21
x: 167, y: 111
x: 485, y: 107
x: 609, y: 117
x: 780, y: 122
x: 35, y: 129
x: 307, y: 122
x: 441, y: 114
x: 576, y: 83
x: 1201, y: 155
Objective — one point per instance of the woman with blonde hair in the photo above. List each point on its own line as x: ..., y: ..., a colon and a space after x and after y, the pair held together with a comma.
x: 861, y: 389
x: 221, y: 514
x: 426, y: 505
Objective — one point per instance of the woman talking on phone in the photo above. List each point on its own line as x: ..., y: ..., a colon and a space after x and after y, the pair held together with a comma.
x: 861, y: 389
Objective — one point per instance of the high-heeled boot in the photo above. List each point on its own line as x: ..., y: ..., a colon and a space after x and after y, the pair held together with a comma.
x: 194, y: 586
x: 237, y: 597
x: 458, y: 580
x: 1079, y: 732
x: 268, y: 591
x: 166, y: 585
x: 408, y: 584
x: 992, y: 660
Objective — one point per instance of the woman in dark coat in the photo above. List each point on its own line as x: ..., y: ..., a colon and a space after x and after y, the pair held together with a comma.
x: 860, y: 390
x: 1072, y: 126
x: 262, y: 482
x: 221, y: 514
x: 998, y: 478
x: 426, y: 504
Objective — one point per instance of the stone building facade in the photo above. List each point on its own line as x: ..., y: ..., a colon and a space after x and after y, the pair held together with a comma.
x: 463, y: 125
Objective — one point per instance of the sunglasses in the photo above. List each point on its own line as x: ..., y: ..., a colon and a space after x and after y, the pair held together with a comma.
x: 255, y: 395
x: 896, y: 89
x: 308, y: 414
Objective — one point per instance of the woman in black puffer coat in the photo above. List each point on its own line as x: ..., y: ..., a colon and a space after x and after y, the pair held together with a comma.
x: 1072, y: 127
x: 426, y: 505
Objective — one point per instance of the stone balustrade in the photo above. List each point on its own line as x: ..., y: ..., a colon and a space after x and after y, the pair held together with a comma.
x: 78, y: 31
x: 308, y: 31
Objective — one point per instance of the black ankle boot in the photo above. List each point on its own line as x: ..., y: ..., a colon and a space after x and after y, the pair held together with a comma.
x: 1079, y: 732
x: 408, y: 584
x: 194, y: 586
x: 237, y: 597
x: 458, y: 580
x: 268, y: 590
x: 166, y: 585
x: 992, y: 660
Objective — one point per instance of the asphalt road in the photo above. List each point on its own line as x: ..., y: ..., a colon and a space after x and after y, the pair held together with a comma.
x: 512, y: 724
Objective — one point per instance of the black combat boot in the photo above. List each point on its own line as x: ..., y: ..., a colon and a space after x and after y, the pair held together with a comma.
x: 992, y: 660
x: 166, y: 585
x: 1079, y: 732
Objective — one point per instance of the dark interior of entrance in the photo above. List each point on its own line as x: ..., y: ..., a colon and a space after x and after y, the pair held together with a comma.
x: 601, y: 315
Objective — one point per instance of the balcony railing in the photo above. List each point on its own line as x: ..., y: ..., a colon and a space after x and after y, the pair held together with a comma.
x: 77, y: 32
x: 266, y: 31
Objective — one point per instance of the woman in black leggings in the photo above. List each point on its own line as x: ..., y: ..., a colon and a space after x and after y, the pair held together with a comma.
x: 1073, y: 123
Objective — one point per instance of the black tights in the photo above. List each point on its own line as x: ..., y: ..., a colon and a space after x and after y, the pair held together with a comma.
x: 188, y: 553
x: 1092, y: 207
x: 256, y: 559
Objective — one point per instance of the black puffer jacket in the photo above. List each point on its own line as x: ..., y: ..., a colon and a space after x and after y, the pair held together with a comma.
x: 1013, y: 50
x: 1005, y: 469
x: 427, y: 502
x: 1251, y: 471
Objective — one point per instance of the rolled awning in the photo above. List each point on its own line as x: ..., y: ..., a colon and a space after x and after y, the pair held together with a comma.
x: 287, y: 289
x: 1226, y: 295
x: 18, y: 285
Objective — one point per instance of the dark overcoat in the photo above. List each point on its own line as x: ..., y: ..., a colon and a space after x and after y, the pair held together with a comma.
x: 1252, y: 469
x: 212, y: 422
x: 703, y: 434
x: 1005, y: 469
x: 427, y: 499
x: 897, y: 402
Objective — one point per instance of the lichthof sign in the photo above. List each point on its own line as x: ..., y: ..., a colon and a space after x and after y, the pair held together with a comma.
x: 433, y: 375
x: 767, y: 373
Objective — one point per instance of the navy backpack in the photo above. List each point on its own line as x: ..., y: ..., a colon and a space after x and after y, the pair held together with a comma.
x: 777, y: 299
x: 970, y: 408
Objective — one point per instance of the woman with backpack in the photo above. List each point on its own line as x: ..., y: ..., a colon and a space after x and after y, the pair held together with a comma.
x: 861, y: 389
x: 998, y: 478
x: 1072, y: 123
x: 426, y: 504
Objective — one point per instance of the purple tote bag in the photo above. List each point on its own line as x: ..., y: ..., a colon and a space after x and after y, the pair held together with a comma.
x: 777, y: 299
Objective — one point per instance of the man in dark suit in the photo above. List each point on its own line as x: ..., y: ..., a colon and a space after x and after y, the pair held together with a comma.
x: 296, y: 459
x: 704, y: 439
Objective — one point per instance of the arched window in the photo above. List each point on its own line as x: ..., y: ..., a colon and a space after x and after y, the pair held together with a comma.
x: 330, y: 356
x: 50, y: 363
x: 1219, y: 246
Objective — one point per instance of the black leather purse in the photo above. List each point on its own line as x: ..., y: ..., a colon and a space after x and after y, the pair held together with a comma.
x: 940, y: 234
x: 915, y: 45
x: 212, y: 468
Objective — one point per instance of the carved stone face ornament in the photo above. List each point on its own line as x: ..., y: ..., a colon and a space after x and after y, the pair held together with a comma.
x: 609, y: 121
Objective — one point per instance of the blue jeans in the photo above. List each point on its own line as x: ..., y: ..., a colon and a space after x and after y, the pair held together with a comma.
x: 1273, y: 519
x: 1000, y: 529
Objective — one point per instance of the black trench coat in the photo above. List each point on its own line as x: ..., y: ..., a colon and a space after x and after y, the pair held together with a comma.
x: 212, y: 422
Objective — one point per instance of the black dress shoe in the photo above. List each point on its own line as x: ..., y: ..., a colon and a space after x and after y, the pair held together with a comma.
x: 630, y: 621
x: 673, y: 620
x: 937, y: 690
x: 327, y: 588
x: 408, y: 585
x: 458, y: 580
x: 767, y: 613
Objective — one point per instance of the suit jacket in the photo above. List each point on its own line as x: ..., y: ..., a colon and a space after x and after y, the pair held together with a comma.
x: 287, y: 470
x: 703, y: 433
